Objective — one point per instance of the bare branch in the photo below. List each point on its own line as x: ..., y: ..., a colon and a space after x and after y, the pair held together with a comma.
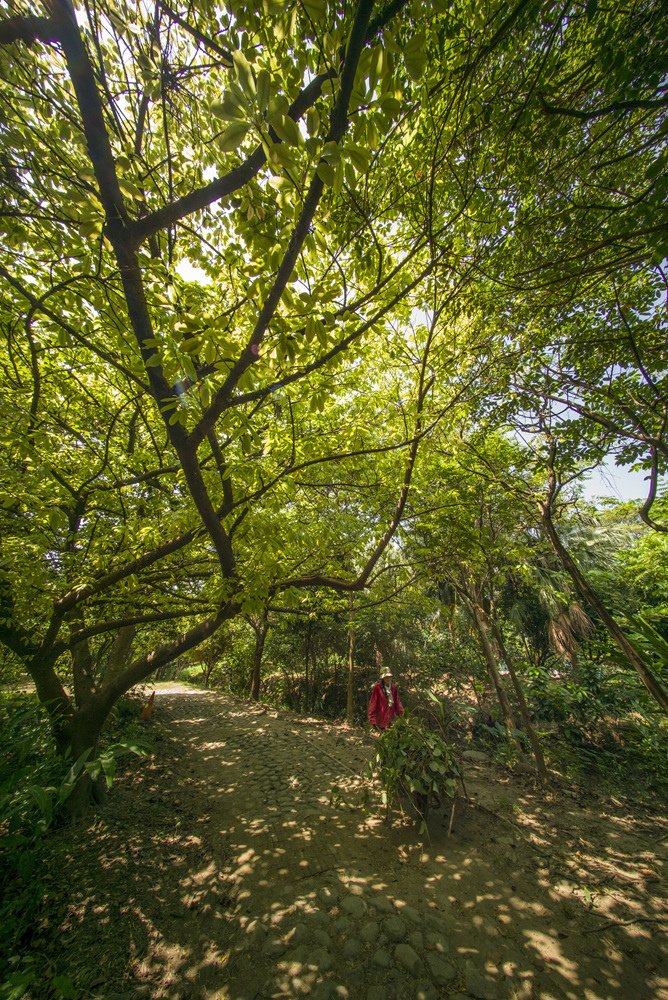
x: 617, y: 107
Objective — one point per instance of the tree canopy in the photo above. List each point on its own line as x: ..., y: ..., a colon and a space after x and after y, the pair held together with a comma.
x: 262, y: 263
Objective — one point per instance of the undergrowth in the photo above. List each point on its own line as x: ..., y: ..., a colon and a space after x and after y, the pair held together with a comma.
x: 35, y: 784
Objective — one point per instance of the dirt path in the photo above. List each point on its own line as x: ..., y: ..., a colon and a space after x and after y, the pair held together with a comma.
x: 238, y: 866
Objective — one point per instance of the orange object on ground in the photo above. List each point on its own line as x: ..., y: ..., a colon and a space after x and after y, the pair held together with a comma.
x: 147, y: 710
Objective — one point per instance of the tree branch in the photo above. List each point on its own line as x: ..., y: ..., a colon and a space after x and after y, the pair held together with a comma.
x: 617, y: 107
x: 223, y: 402
x: 219, y: 188
x: 337, y: 128
x: 28, y: 29
x: 644, y: 511
x: 198, y: 35
x: 78, y: 594
x: 116, y: 624
x: 236, y: 178
x: 349, y: 586
x: 140, y: 668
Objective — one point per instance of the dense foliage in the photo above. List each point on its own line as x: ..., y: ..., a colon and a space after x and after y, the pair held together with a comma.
x: 319, y: 308
x: 416, y: 763
x: 35, y: 786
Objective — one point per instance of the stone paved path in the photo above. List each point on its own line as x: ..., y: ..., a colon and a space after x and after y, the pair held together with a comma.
x: 324, y: 900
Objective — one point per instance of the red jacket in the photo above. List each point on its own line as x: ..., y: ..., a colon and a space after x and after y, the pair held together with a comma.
x: 380, y: 712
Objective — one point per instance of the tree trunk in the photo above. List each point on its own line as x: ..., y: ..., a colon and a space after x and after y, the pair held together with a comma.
x: 53, y: 697
x: 260, y: 628
x: 207, y: 671
x: 81, y: 737
x: 83, y: 666
x: 119, y: 654
x: 351, y: 667
x: 307, y: 661
x: 590, y: 595
x: 541, y: 770
x: 481, y: 624
x: 75, y: 730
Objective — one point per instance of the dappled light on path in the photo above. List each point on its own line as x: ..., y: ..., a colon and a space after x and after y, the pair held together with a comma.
x: 277, y: 882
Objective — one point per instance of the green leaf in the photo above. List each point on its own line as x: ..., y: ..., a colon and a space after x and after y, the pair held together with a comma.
x: 415, y: 55
x: 286, y: 129
x: 92, y: 228
x: 44, y: 799
x: 244, y: 74
x: 130, y: 189
x: 331, y: 153
x: 316, y: 9
x: 64, y: 987
x: 326, y: 173
x: 229, y: 109
x: 233, y: 136
x: 284, y: 156
x: 390, y: 105
x: 263, y: 90
x: 359, y: 157
x: 280, y: 183
x: 313, y: 121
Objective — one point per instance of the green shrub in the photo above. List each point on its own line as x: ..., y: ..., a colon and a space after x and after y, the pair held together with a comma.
x: 415, y: 763
x: 35, y: 783
x: 191, y: 674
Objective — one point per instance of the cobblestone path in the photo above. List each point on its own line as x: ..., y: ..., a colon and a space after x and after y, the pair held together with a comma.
x: 325, y: 900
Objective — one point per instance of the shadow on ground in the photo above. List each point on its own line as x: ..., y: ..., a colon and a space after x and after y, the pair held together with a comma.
x: 240, y: 864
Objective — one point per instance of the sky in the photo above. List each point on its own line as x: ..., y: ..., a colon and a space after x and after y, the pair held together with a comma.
x: 620, y: 483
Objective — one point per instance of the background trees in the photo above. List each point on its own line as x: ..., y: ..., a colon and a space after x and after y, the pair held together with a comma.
x: 262, y: 265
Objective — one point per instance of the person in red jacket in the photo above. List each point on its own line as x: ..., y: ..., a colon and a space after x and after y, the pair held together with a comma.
x: 385, y: 704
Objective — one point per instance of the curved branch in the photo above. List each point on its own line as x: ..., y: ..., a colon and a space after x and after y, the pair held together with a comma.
x: 199, y: 36
x: 147, y: 664
x: 118, y: 623
x: 223, y: 400
x: 360, y: 583
x: 617, y: 107
x: 644, y: 511
x: 78, y: 594
x: 236, y: 178
x: 39, y: 303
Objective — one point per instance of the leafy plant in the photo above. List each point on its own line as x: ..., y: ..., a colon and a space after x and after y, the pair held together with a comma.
x: 35, y: 784
x: 649, y: 641
x: 415, y: 763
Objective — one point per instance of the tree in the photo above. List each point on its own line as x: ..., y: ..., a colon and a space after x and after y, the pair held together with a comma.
x: 588, y: 592
x: 472, y: 544
x: 600, y: 368
x: 326, y: 173
x: 161, y: 347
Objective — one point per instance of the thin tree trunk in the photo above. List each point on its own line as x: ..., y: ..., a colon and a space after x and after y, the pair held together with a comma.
x: 307, y: 661
x: 260, y: 628
x: 351, y: 666
x: 590, y: 595
x: 481, y: 624
x: 536, y: 748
